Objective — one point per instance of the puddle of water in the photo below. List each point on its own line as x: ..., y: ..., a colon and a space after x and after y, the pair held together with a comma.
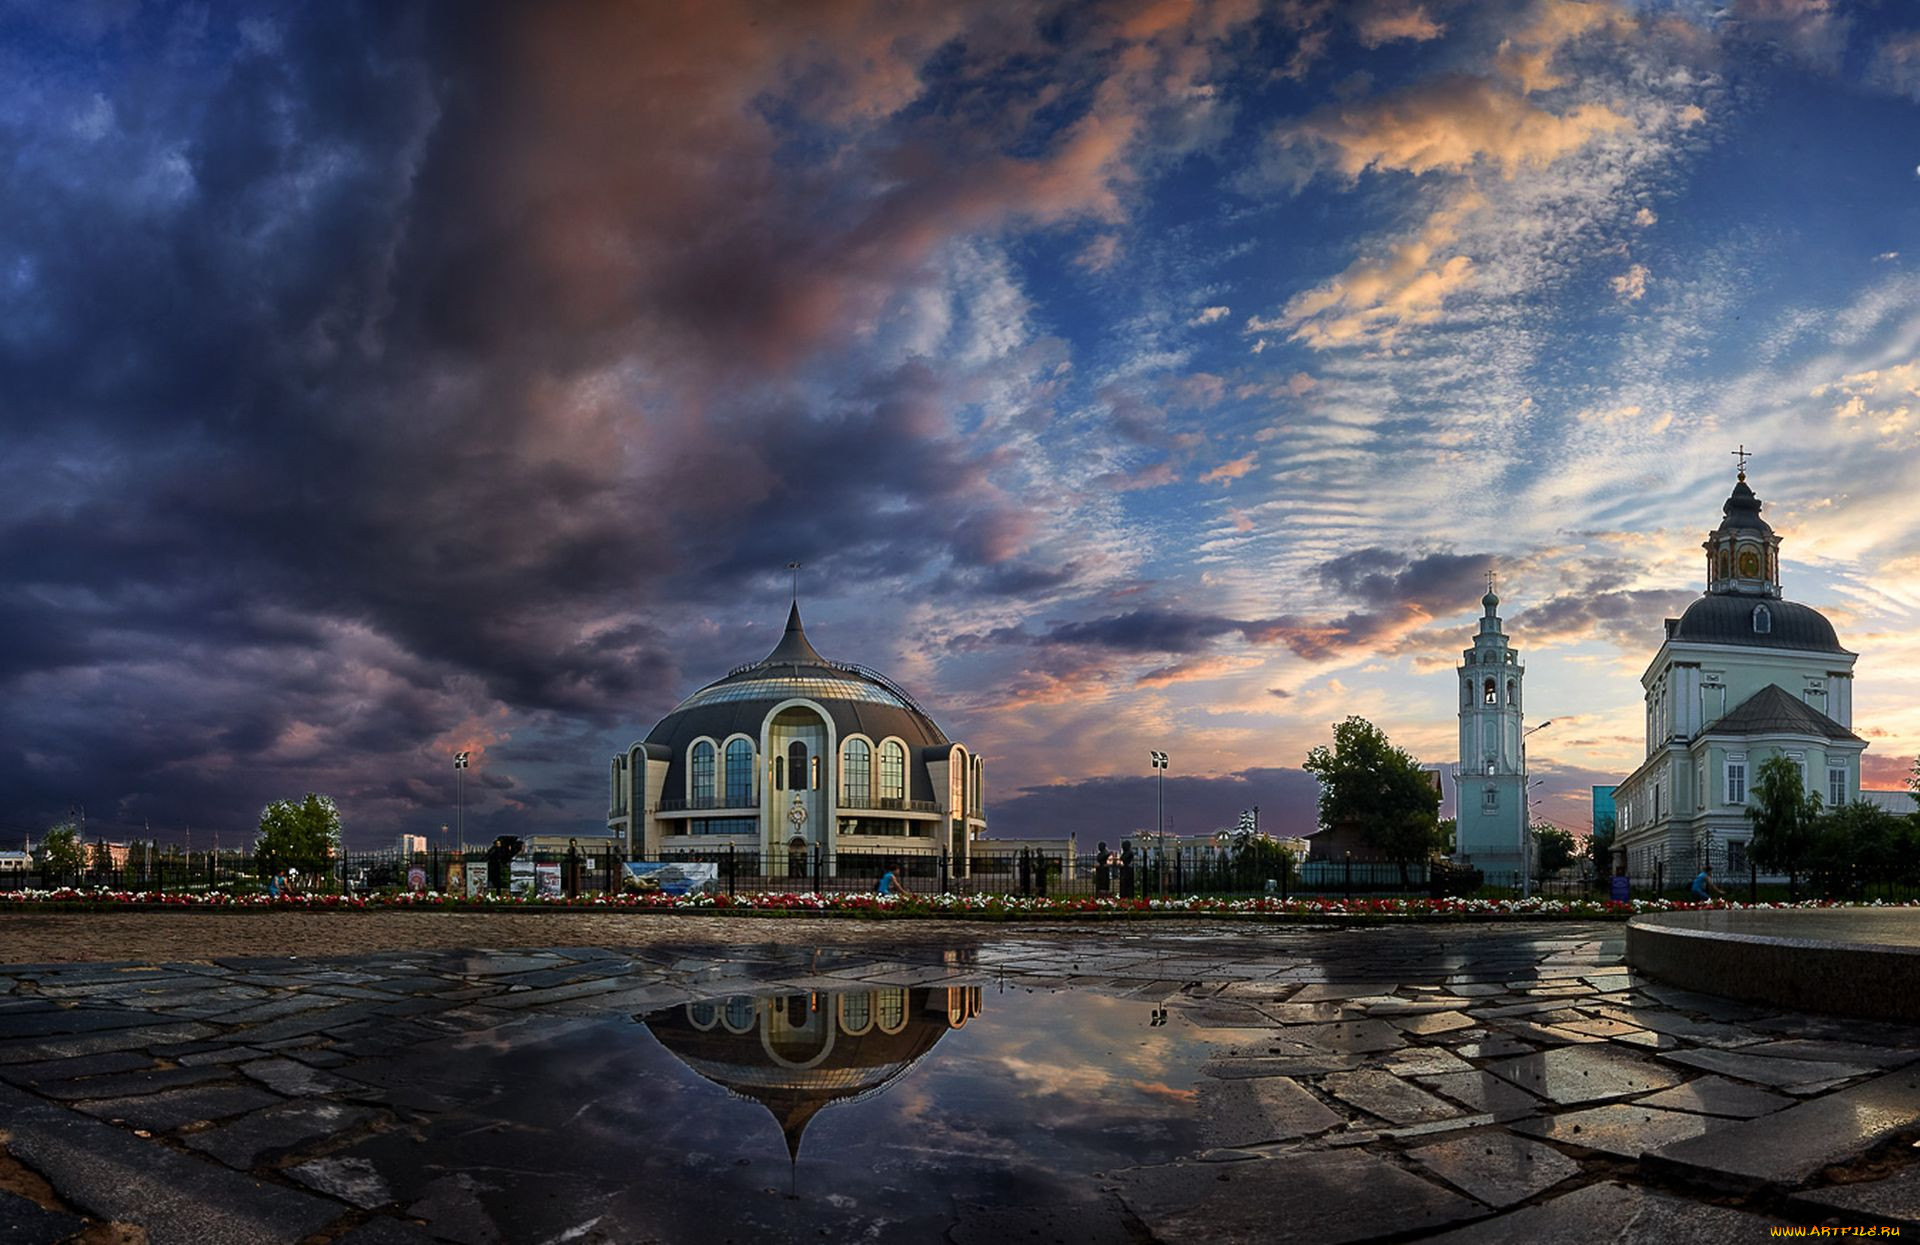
x: 815, y: 1116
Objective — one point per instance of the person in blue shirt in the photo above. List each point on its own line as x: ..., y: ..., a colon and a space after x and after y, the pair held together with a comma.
x: 1703, y: 886
x: 890, y: 885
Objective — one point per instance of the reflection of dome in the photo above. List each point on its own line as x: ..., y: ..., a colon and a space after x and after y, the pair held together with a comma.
x: 796, y: 1054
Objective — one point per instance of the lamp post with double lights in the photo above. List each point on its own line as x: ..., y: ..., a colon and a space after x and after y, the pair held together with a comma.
x: 460, y: 760
x: 1160, y: 763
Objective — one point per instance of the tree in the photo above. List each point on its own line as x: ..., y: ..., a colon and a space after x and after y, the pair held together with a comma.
x: 1600, y: 844
x: 100, y: 857
x: 1856, y: 844
x: 1785, y: 817
x: 1552, y: 849
x: 1446, y: 835
x: 1366, y: 781
x: 303, y: 834
x: 60, y: 853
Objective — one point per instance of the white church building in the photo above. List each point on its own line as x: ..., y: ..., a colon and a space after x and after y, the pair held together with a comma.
x: 1742, y: 675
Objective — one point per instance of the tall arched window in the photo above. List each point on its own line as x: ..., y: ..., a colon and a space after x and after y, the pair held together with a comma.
x: 702, y: 781
x: 893, y: 771
x: 856, y: 773
x: 1513, y: 692
x: 1762, y: 620
x: 797, y: 765
x: 1492, y: 693
x: 739, y: 774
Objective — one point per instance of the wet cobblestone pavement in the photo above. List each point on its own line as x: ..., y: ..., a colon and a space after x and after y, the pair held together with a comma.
x: 1133, y: 1083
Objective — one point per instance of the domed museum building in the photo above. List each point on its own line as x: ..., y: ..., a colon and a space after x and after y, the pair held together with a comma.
x: 792, y: 756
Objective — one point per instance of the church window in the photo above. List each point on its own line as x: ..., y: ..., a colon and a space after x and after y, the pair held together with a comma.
x: 779, y: 773
x: 893, y: 771
x: 1492, y: 692
x: 1836, y: 785
x: 856, y: 1012
x: 739, y: 774
x: 700, y: 785
x: 1490, y: 799
x: 856, y: 773
x: 739, y: 1013
x: 1762, y: 620
x: 797, y: 765
x: 703, y: 1014
x: 1737, y: 779
x: 1513, y: 692
x: 1726, y: 565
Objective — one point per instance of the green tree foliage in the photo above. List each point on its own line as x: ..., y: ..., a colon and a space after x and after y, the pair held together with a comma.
x: 1600, y: 844
x: 1366, y: 781
x: 1552, y: 849
x: 1858, y: 844
x: 1256, y: 858
x: 1785, y: 817
x: 60, y: 853
x: 1446, y: 836
x: 299, y: 835
x: 100, y: 858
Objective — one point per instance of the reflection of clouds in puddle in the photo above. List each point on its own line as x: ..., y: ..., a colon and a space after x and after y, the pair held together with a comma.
x: 1159, y: 1089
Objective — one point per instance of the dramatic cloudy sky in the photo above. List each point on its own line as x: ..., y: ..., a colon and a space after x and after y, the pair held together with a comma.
x: 382, y: 379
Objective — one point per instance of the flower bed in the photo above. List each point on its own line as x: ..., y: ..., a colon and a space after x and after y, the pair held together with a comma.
x: 984, y: 907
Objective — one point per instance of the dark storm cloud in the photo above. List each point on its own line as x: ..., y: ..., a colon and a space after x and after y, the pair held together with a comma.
x: 1115, y: 808
x: 375, y: 378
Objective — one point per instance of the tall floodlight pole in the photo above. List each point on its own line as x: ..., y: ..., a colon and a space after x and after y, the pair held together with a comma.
x: 460, y: 826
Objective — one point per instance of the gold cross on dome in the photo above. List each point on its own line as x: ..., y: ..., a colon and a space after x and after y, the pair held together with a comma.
x: 1743, y: 454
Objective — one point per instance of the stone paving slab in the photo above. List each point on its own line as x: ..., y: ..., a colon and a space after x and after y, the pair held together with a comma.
x: 1626, y: 1130
x: 1715, y: 1095
x: 1618, y: 1215
x: 1762, y: 1070
x: 1265, y: 1109
x: 1894, y: 1200
x: 1580, y: 1074
x: 275, y: 1130
x: 1321, y: 1198
x: 1787, y: 1148
x: 1496, y: 1167
x: 164, y: 1112
x: 27, y: 1223
x: 1383, y: 1094
x: 178, y: 1200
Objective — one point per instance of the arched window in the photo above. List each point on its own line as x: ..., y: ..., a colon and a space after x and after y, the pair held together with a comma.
x: 1762, y: 620
x: 890, y: 1009
x: 1492, y: 692
x: 856, y: 1012
x: 739, y: 774
x: 856, y: 773
x: 797, y: 765
x: 701, y: 787
x: 893, y: 771
x: 1513, y: 692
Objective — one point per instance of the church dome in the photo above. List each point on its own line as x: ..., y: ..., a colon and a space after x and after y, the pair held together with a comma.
x: 1742, y: 510
x: 1728, y: 619
x: 859, y: 700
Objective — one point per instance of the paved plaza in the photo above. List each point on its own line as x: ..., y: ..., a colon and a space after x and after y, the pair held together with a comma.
x: 1465, y: 1083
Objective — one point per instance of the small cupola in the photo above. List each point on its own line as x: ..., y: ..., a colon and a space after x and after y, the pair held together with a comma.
x: 1743, y: 554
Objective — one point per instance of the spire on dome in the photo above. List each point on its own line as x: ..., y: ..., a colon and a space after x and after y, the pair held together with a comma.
x: 794, y: 649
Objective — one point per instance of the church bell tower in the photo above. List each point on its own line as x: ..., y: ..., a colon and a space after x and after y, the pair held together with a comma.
x: 1491, y: 784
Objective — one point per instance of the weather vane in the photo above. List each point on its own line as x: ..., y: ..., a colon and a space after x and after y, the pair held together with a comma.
x: 1743, y: 454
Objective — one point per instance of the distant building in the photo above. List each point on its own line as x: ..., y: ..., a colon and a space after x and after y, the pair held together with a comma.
x: 413, y: 844
x: 1900, y: 801
x: 1603, y: 812
x: 1743, y: 675
x: 14, y: 863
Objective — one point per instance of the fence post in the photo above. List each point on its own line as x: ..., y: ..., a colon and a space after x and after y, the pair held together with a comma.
x: 819, y: 856
x: 1753, y: 879
x: 1286, y: 874
x: 1349, y: 877
x: 943, y: 871
x: 732, y: 868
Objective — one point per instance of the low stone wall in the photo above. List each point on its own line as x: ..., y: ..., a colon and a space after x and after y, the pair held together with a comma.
x: 1846, y: 961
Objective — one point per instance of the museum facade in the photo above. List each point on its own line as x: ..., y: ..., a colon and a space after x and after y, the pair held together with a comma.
x: 796, y: 758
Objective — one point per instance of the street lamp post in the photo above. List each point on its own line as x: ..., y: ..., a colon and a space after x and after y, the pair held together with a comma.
x: 1526, y: 807
x: 1160, y: 763
x: 460, y: 760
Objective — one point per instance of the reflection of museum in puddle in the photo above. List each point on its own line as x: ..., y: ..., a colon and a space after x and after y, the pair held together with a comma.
x: 795, y: 756
x: 795, y: 1054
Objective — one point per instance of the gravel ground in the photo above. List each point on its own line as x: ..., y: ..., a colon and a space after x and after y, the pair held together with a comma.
x: 157, y: 937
